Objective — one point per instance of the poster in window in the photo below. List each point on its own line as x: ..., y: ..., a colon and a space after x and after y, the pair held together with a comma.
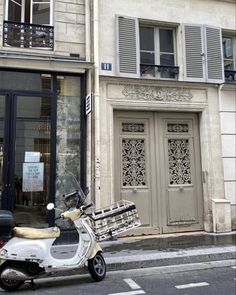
x: 33, y: 177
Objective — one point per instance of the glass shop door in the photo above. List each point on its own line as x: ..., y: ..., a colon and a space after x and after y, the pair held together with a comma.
x: 25, y: 148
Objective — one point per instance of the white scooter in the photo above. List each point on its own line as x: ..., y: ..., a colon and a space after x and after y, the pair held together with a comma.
x: 28, y: 254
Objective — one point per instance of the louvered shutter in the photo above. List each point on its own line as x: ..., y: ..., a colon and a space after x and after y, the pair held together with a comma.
x: 193, y: 49
x: 214, y: 59
x: 127, y: 46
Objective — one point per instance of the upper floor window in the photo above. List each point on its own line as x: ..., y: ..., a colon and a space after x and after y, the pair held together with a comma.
x: 229, y: 44
x: 145, y: 50
x: 29, y: 11
x: 28, y: 23
x: 157, y: 53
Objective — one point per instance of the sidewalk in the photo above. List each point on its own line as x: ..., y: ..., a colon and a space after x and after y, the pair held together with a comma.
x: 162, y: 250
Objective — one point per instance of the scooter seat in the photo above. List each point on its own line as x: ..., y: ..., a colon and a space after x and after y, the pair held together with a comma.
x: 36, y: 233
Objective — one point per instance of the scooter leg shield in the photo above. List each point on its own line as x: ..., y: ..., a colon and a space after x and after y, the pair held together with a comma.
x: 96, y: 249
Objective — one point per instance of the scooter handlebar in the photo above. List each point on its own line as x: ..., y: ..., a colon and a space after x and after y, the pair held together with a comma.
x: 86, y: 206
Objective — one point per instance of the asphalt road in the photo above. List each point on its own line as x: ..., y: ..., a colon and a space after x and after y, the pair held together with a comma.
x: 213, y: 281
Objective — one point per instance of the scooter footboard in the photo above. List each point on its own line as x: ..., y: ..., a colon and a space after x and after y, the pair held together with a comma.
x: 114, y: 219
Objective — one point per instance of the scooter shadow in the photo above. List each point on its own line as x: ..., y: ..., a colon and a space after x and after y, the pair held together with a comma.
x: 54, y: 283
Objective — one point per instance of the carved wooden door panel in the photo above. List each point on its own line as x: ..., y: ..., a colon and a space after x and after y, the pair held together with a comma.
x: 157, y: 165
x: 181, y: 180
x: 132, y: 162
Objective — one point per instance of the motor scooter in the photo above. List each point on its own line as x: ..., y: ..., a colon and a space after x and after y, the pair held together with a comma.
x: 28, y: 254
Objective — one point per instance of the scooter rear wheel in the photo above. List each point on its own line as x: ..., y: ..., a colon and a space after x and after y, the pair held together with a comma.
x: 97, y: 267
x: 7, y: 284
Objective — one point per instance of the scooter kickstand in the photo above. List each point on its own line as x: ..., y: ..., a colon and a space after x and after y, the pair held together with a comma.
x: 32, y: 284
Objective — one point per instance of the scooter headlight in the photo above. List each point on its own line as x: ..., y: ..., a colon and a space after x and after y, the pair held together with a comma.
x: 3, y: 253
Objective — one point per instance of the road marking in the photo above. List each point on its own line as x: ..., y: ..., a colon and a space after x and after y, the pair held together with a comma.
x: 192, y: 285
x: 129, y: 293
x: 132, y: 284
x: 234, y: 267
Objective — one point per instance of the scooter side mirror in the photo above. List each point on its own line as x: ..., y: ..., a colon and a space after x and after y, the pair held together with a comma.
x: 50, y: 206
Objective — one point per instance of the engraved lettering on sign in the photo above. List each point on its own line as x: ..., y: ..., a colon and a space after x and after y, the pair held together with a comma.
x: 157, y: 93
x: 179, y: 161
x: 132, y: 127
x: 133, y: 162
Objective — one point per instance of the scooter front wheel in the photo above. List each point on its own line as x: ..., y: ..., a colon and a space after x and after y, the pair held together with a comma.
x: 97, y: 267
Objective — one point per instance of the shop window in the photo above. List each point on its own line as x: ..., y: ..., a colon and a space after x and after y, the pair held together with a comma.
x: 28, y: 24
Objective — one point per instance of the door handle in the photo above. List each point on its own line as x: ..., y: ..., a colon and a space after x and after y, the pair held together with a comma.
x: 181, y: 188
x: 134, y: 190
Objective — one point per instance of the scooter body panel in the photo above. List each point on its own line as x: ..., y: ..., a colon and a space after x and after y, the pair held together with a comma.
x: 26, y: 249
x: 39, y: 250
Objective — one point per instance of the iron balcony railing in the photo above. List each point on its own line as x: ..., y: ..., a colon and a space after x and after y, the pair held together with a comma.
x: 230, y: 76
x: 25, y: 35
x: 169, y: 72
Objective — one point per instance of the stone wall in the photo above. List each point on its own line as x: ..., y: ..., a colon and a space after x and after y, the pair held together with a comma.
x: 69, y: 24
x: 69, y: 29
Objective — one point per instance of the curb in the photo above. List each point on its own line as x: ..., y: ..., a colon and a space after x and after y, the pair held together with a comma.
x: 160, y: 259
x: 169, y: 258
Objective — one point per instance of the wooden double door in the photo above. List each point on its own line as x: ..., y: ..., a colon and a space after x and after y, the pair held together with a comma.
x: 157, y: 165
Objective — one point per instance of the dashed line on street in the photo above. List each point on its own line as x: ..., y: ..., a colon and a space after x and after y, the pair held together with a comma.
x: 132, y: 284
x: 192, y: 285
x: 130, y: 293
x: 234, y: 267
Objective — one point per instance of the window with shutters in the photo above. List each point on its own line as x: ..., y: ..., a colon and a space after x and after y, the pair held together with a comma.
x: 229, y: 56
x: 28, y: 24
x: 146, y: 51
x: 203, y: 53
x: 157, y: 52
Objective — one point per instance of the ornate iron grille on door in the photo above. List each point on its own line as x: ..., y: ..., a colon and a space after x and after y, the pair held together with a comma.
x: 179, y: 161
x: 133, y: 162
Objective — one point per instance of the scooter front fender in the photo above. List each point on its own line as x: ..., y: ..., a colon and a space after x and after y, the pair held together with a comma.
x: 96, y: 249
x: 1, y: 262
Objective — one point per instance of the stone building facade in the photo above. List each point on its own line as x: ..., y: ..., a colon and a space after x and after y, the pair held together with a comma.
x: 161, y: 131
x: 167, y: 111
x: 45, y: 75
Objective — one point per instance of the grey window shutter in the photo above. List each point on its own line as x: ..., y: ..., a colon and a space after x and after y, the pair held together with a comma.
x: 214, y: 57
x: 127, y: 46
x: 193, y: 49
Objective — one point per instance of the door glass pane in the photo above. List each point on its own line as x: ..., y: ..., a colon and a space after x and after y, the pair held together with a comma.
x: 2, y: 112
x: 25, y: 81
x: 32, y: 160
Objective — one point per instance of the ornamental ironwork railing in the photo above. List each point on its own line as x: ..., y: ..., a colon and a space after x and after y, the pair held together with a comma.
x: 169, y: 72
x: 25, y: 35
x: 230, y: 76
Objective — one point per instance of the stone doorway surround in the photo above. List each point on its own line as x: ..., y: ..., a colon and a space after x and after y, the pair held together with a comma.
x: 131, y: 94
